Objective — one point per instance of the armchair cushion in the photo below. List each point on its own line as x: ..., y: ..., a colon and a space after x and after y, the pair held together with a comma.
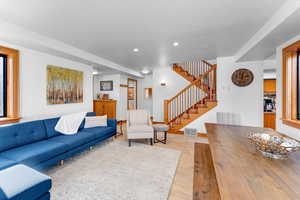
x: 140, y: 129
x: 140, y: 135
x: 138, y: 117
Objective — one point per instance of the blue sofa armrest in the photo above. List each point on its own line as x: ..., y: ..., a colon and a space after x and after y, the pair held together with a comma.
x: 22, y: 182
x: 112, y: 123
x: 2, y: 195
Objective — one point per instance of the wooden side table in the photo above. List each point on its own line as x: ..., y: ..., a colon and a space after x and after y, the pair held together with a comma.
x: 160, y: 128
x: 121, y: 123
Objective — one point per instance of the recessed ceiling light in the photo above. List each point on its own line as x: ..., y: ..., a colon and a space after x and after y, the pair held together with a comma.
x: 135, y: 50
x: 175, y: 44
x: 95, y: 73
x: 145, y: 71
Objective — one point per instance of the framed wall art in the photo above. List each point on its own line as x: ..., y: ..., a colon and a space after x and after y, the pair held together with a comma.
x: 106, y: 86
x: 64, y: 85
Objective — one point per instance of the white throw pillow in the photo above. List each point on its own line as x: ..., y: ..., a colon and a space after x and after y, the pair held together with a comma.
x: 96, y: 121
x: 69, y: 124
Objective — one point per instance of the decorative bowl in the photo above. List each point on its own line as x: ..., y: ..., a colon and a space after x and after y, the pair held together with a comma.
x: 274, y: 146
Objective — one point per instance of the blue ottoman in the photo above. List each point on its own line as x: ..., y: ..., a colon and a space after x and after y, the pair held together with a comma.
x: 20, y: 182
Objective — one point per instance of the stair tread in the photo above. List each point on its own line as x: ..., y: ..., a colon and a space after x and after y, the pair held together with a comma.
x: 198, y: 109
x: 184, y: 122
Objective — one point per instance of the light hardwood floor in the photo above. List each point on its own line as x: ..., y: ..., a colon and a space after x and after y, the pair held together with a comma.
x: 182, y: 188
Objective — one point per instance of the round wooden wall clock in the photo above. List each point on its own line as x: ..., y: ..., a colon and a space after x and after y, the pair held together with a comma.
x: 242, y: 77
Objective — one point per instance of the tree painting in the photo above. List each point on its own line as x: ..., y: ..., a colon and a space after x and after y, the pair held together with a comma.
x: 64, y: 85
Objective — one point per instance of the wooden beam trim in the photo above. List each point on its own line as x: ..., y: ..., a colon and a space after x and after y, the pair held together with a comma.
x: 123, y: 85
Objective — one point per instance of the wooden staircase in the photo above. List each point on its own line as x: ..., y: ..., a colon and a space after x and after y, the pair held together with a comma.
x: 194, y: 100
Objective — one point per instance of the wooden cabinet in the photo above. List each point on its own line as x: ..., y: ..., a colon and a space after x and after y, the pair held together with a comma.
x: 270, y: 120
x: 270, y: 85
x: 105, y: 107
x: 269, y: 93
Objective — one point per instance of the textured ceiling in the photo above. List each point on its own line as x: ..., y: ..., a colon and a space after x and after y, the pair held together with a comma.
x: 111, y: 29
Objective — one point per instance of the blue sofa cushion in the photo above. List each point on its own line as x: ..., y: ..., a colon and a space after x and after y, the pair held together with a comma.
x: 50, y: 127
x: 5, y: 163
x: 35, y: 153
x: 20, y: 134
x: 74, y: 141
x: 100, y: 131
x: 91, y: 114
x: 51, y: 123
x: 21, y: 182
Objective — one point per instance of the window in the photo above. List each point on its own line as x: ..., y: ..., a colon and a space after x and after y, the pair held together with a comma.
x: 3, y: 61
x: 9, y: 85
x: 291, y: 85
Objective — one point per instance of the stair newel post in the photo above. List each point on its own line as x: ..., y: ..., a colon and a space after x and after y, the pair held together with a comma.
x: 166, y: 111
x: 215, y: 82
x: 210, y: 85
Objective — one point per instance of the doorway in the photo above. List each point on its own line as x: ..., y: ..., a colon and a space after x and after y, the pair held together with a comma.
x: 132, y: 94
x: 270, y: 99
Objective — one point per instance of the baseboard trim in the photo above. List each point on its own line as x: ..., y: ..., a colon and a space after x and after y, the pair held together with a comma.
x: 155, y: 122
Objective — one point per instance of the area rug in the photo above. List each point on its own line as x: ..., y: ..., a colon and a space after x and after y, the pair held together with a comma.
x: 114, y: 171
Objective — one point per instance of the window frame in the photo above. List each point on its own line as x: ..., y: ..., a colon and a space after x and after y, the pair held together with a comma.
x: 298, y: 85
x: 12, y: 85
x: 290, y: 87
x: 4, y: 100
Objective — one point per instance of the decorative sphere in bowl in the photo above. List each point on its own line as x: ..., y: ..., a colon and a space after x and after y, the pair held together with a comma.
x: 273, y: 145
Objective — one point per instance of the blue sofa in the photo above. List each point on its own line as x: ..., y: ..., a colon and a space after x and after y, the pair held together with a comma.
x: 36, y: 144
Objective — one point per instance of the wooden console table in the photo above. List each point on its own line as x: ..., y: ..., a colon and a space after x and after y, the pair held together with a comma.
x: 243, y: 173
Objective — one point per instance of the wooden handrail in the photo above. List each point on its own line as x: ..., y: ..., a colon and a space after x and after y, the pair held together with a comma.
x: 201, y: 89
x: 207, y: 63
x: 194, y: 82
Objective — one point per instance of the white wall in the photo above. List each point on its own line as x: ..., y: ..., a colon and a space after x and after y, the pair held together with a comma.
x: 270, y: 74
x: 245, y: 101
x: 280, y: 127
x: 33, y: 81
x: 146, y: 104
x: 115, y: 93
x: 174, y: 83
x: 123, y: 97
x: 33, y: 85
